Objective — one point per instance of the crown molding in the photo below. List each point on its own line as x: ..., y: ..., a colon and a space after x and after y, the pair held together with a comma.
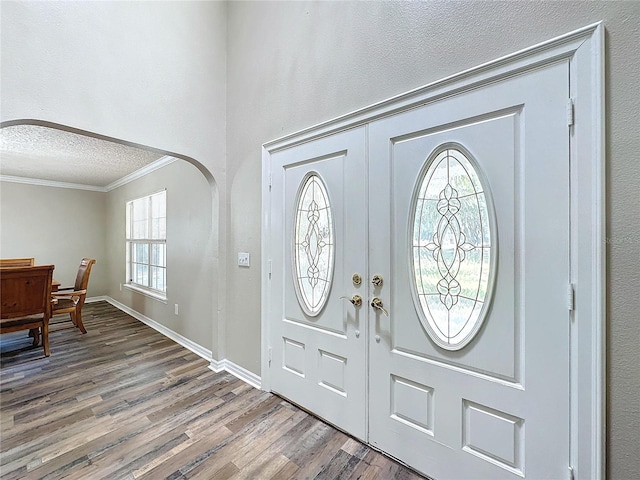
x: 50, y: 183
x: 161, y: 162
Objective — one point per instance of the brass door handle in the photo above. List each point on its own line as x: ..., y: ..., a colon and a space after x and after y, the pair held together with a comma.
x: 356, y: 300
x: 378, y: 305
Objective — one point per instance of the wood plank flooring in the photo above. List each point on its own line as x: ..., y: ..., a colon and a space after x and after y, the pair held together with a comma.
x: 125, y: 402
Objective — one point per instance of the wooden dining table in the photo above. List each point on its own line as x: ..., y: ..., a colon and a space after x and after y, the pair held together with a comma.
x: 55, y: 285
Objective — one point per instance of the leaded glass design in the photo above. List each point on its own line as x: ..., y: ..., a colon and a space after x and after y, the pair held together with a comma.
x: 313, y: 245
x: 452, y: 247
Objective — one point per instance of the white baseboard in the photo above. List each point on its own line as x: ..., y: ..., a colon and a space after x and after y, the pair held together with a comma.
x: 237, y: 371
x: 215, y: 365
x: 100, y: 298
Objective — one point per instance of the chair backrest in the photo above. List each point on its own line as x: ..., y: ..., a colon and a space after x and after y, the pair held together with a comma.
x: 17, y: 262
x: 25, y: 291
x: 82, y: 279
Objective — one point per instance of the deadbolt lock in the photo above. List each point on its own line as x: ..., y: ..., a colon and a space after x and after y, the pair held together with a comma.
x: 377, y: 280
x: 357, y: 279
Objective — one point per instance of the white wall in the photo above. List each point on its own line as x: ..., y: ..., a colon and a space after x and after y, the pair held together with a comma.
x: 56, y: 226
x: 152, y: 73
x: 295, y: 64
x: 190, y: 245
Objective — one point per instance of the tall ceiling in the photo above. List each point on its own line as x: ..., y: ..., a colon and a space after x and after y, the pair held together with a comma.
x: 52, y: 155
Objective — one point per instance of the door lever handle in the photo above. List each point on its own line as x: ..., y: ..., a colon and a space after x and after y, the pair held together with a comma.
x: 378, y: 305
x: 356, y: 300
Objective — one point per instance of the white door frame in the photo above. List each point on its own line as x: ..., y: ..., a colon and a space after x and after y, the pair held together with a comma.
x: 584, y: 48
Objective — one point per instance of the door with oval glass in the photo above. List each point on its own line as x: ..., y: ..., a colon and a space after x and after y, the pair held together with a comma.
x: 318, y: 230
x: 456, y: 217
x: 469, y: 374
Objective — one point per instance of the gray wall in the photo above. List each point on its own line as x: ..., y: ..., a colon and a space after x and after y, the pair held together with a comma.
x: 190, y: 246
x: 56, y: 226
x: 294, y: 64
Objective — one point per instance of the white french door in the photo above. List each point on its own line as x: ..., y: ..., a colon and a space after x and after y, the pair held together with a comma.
x: 318, y: 356
x: 496, y: 406
x: 419, y: 269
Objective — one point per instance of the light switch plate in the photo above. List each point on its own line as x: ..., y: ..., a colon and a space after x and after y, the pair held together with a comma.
x: 243, y: 259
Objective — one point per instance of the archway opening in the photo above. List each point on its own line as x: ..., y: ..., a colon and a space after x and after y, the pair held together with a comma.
x: 63, y: 193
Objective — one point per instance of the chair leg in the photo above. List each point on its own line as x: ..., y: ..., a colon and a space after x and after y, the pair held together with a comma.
x: 77, y: 320
x: 45, y: 337
x: 35, y: 333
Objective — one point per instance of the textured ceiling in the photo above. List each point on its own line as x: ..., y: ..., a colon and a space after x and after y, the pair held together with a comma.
x: 45, y: 153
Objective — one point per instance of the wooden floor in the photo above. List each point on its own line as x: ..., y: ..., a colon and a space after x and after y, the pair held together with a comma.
x: 125, y: 402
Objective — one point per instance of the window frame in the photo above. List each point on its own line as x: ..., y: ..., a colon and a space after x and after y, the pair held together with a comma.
x: 131, y: 241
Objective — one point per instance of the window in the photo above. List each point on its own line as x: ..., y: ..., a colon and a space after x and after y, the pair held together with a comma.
x: 452, y: 247
x: 147, y: 243
x: 314, y: 245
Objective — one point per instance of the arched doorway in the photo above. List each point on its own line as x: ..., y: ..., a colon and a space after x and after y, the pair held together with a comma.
x: 74, y: 185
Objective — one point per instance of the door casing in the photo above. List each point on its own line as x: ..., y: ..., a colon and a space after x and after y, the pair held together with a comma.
x: 584, y: 49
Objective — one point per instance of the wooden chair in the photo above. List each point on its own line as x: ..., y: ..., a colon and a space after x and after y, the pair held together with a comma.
x: 25, y: 301
x: 17, y: 262
x: 71, y: 299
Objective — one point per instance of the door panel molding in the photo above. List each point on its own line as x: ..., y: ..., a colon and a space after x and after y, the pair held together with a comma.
x: 584, y: 51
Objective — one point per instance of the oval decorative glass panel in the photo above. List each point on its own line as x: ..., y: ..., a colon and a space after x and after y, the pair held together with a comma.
x: 453, y: 247
x: 313, y: 250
